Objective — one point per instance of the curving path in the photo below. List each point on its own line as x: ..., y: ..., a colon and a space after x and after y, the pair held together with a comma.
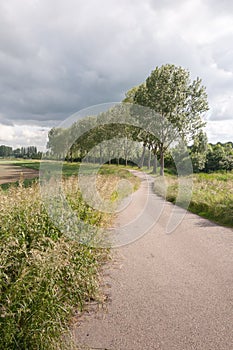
x: 165, y: 291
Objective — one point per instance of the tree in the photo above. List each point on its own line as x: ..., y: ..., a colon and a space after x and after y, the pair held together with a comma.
x: 178, y: 103
x: 5, y: 151
x: 219, y: 157
x: 129, y: 96
x: 199, y: 151
x: 57, y: 143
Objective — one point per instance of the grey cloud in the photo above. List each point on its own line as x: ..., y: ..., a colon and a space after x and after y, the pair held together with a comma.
x: 5, y: 121
x: 68, y: 71
x: 58, y: 57
x: 161, y: 5
x: 223, y: 6
x: 223, y: 53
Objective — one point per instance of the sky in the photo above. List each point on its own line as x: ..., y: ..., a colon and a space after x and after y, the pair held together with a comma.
x: 60, y: 56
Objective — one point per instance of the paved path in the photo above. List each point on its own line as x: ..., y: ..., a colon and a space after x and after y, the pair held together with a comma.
x: 11, y: 173
x: 166, y: 291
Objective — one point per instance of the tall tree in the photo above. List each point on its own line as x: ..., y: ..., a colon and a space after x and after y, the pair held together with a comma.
x: 199, y: 151
x: 178, y: 103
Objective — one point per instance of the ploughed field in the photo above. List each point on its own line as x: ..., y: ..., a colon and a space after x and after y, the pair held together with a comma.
x: 11, y: 173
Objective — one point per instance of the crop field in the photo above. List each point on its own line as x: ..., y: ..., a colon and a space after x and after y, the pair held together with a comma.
x: 212, y: 195
x: 46, y: 276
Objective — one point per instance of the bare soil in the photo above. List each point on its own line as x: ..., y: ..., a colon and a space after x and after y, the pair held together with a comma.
x: 11, y: 173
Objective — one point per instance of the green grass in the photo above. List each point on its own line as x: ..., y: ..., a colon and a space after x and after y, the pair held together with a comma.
x: 44, y: 275
x: 26, y: 183
x: 212, y: 195
x: 68, y: 168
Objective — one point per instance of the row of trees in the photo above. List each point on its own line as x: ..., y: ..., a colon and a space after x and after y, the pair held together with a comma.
x: 5, y: 151
x: 168, y: 106
x: 23, y: 152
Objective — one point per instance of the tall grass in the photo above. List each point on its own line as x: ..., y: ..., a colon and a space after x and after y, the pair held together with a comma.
x: 212, y: 195
x: 43, y: 275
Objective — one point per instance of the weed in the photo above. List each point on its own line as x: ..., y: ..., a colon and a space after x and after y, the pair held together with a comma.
x: 212, y: 195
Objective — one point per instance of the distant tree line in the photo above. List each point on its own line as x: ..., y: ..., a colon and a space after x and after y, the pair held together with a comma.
x: 23, y: 152
x: 206, y: 157
x: 219, y: 156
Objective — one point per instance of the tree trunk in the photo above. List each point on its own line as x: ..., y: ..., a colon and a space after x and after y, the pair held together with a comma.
x: 161, y: 163
x: 126, y: 151
x: 155, y: 164
x: 71, y: 156
x: 101, y: 155
x: 149, y: 160
x: 142, y: 157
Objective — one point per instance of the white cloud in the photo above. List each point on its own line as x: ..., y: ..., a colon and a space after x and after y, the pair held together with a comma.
x: 219, y: 131
x: 23, y: 135
x: 6, y: 133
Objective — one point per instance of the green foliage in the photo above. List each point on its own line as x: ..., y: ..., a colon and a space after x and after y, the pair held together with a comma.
x: 198, y: 151
x: 23, y: 152
x: 219, y: 157
x: 181, y: 157
x: 27, y: 164
x: 5, y: 151
x: 212, y: 195
x: 130, y: 95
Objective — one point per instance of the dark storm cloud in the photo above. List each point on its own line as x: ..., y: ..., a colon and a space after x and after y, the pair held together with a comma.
x: 64, y: 58
x: 5, y: 121
x: 52, y: 67
x: 57, y: 57
x: 65, y: 69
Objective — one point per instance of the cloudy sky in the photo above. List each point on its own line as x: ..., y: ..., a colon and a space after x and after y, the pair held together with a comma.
x: 60, y: 56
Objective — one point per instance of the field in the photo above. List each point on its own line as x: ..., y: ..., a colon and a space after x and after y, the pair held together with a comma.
x: 212, y: 195
x: 45, y: 276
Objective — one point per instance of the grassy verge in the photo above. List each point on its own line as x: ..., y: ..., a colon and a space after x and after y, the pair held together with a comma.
x: 212, y: 195
x: 44, y: 275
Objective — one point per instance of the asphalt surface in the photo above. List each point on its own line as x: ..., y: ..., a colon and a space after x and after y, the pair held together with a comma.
x: 165, y: 291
